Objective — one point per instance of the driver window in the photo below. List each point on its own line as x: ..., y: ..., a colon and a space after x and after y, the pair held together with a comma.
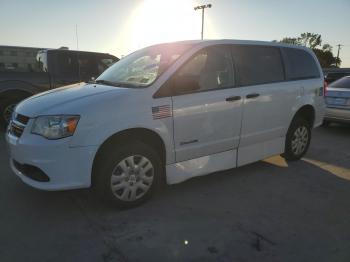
x: 209, y: 69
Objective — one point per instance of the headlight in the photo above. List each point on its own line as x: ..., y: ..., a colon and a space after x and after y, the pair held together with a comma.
x: 55, y: 127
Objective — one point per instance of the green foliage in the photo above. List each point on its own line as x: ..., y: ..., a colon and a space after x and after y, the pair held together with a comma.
x: 314, y: 41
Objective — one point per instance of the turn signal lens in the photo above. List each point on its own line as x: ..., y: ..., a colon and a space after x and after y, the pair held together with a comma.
x: 71, y: 125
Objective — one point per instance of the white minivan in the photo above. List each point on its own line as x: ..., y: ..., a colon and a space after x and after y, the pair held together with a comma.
x: 167, y: 113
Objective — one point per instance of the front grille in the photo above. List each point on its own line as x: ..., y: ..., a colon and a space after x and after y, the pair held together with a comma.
x: 18, y: 124
x: 16, y: 130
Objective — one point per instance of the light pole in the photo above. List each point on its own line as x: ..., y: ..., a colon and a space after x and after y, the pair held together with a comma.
x: 337, y: 62
x: 202, y: 7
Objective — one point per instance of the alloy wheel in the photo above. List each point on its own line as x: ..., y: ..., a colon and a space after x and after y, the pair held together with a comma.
x: 300, y: 140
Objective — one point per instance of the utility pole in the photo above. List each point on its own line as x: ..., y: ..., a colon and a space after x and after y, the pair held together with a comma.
x: 202, y: 7
x: 76, y: 35
x: 339, y: 47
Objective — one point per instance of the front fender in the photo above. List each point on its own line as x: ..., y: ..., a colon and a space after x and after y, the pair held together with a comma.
x: 112, y: 115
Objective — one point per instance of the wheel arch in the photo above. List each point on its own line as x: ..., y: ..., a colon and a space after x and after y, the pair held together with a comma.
x: 306, y: 112
x: 143, y: 135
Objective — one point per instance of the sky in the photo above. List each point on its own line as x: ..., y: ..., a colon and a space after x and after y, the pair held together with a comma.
x: 119, y: 27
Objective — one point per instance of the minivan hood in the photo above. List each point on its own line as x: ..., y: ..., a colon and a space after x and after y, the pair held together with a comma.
x: 43, y: 102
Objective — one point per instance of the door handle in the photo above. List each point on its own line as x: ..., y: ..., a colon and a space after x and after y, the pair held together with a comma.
x: 233, y: 98
x: 254, y: 95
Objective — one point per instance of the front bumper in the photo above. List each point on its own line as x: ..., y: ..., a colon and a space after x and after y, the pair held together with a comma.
x: 337, y: 115
x: 67, y: 167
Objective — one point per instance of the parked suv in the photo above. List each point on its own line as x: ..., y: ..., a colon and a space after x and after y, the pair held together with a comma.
x: 54, y: 68
x: 169, y: 112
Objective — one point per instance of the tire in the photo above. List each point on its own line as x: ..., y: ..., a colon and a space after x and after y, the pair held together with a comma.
x: 6, y: 107
x: 297, y: 140
x: 120, y: 178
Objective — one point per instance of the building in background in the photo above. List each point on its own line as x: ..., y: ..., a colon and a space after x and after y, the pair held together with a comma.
x: 18, y: 59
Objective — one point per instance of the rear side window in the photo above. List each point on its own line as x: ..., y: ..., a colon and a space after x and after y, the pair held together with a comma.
x: 257, y: 64
x: 67, y: 64
x: 299, y: 64
x: 342, y: 83
x: 87, y: 66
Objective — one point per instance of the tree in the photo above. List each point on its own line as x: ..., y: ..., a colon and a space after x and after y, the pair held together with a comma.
x: 314, y: 41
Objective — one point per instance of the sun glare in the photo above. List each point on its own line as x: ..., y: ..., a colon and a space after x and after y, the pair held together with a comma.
x: 157, y: 21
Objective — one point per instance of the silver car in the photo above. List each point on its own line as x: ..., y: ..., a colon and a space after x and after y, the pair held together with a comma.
x: 338, y: 101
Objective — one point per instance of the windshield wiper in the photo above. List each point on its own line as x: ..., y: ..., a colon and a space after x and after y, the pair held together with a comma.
x: 116, y: 84
x: 105, y: 82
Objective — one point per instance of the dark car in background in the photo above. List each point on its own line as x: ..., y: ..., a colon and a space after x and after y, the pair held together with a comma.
x: 53, y: 68
x: 338, y: 101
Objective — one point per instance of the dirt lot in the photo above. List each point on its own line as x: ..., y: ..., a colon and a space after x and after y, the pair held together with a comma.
x: 267, y: 211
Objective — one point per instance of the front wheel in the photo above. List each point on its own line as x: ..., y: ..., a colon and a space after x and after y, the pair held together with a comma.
x: 128, y: 174
x: 298, y: 139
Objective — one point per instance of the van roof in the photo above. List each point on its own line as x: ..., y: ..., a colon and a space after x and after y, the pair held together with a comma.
x: 237, y: 42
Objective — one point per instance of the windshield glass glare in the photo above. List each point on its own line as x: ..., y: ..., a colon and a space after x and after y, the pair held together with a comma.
x: 143, y: 67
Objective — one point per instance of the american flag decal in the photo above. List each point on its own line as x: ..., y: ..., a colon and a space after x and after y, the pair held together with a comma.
x: 159, y: 112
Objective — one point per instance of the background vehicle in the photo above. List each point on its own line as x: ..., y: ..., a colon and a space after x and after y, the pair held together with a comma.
x: 333, y: 74
x: 53, y: 68
x: 338, y: 101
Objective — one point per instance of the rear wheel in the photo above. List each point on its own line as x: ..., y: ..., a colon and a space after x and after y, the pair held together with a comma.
x: 129, y: 175
x: 298, y: 139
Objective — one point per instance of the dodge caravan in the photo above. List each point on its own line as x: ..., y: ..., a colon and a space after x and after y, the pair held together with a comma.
x: 167, y: 113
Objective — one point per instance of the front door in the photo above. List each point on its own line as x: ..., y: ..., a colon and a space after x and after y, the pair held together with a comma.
x: 207, y: 116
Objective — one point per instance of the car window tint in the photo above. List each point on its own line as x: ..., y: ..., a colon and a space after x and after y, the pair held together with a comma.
x: 87, y: 66
x: 67, y: 63
x: 210, y: 68
x: 300, y: 64
x: 195, y: 66
x: 257, y: 64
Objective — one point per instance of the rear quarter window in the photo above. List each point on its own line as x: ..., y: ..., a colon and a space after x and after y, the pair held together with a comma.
x: 257, y: 64
x: 299, y: 64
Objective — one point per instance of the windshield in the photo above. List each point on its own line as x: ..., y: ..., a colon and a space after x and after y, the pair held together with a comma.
x: 342, y: 83
x: 143, y: 67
